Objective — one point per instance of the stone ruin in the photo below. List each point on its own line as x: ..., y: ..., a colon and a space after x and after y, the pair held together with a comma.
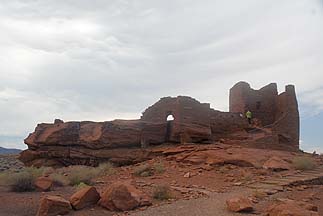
x: 275, y: 126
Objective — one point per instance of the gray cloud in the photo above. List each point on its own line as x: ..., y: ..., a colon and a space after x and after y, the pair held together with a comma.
x: 99, y: 60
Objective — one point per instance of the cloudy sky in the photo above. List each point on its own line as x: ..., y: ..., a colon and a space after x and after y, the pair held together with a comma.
x: 105, y: 59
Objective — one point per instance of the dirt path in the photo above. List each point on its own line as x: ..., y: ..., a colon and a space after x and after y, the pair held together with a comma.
x: 213, y: 205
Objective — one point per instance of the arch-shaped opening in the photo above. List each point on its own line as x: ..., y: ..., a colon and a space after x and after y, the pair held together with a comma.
x: 170, y: 117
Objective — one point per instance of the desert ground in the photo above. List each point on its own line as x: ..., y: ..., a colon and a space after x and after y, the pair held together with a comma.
x: 187, y: 180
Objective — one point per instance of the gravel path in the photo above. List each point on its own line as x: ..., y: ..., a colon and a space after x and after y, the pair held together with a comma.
x: 211, y: 206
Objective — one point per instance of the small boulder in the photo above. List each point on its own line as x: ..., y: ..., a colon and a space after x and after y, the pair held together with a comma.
x: 53, y: 206
x: 122, y: 196
x: 187, y: 175
x: 43, y: 183
x: 276, y: 164
x: 239, y: 204
x: 84, y: 198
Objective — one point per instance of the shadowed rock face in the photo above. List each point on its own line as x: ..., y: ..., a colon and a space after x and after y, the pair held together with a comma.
x: 126, y: 141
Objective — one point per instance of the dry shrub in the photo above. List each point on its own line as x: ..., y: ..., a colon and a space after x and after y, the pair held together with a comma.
x: 143, y: 170
x: 146, y: 170
x: 159, y: 168
x: 22, y: 181
x: 81, y: 186
x: 106, y: 169
x: 78, y: 174
x: 162, y: 192
x: 59, y: 180
x: 85, y: 174
x: 303, y: 163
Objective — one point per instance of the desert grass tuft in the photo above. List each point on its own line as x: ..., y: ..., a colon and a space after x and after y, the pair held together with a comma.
x: 162, y: 192
x: 303, y: 163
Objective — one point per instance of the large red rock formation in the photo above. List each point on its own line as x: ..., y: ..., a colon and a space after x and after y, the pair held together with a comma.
x: 126, y: 141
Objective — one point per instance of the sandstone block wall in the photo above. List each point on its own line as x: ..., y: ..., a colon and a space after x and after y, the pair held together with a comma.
x: 276, y: 111
x: 125, y: 141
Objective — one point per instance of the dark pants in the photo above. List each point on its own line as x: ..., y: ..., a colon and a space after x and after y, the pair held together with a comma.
x: 249, y: 120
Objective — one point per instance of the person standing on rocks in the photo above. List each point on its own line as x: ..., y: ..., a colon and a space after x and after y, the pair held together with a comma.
x: 249, y: 116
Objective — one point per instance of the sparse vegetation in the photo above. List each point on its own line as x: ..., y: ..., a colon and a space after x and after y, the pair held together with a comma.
x: 149, y: 170
x: 78, y: 174
x: 81, y: 185
x: 59, y: 180
x: 303, y: 163
x: 106, y: 169
x: 143, y: 170
x: 84, y: 174
x: 21, y: 181
x: 159, y: 168
x: 162, y: 192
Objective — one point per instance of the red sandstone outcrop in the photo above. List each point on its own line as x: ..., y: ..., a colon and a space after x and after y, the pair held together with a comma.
x: 125, y: 141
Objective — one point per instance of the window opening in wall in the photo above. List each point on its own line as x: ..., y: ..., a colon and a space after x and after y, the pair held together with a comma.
x: 170, y: 117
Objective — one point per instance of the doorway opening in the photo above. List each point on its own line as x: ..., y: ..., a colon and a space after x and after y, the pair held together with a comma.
x: 170, y: 119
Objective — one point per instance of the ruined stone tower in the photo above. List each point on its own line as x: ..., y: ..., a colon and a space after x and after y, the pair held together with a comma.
x: 276, y: 111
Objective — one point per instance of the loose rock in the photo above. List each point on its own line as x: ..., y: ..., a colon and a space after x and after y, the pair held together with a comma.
x: 123, y: 197
x: 239, y: 204
x: 84, y: 198
x: 53, y: 206
x: 43, y: 183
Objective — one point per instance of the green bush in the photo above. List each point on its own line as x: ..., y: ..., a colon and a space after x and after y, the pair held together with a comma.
x: 303, y: 163
x: 162, y: 192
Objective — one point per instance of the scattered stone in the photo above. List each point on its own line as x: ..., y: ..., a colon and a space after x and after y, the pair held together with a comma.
x: 122, y: 196
x: 43, y: 183
x: 187, y: 175
x: 53, y: 206
x: 240, y: 204
x: 84, y: 197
